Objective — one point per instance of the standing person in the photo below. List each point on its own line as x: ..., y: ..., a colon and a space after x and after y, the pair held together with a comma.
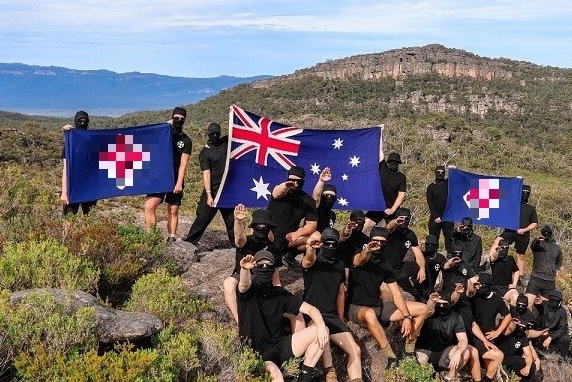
x: 289, y: 205
x: 394, y: 188
x: 324, y: 276
x: 546, y: 263
x: 433, y: 263
x: 325, y: 196
x: 367, y: 274
x: 436, y: 196
x: 81, y: 121
x: 261, y: 307
x: 212, y: 160
x: 505, y: 272
x: 471, y: 243
x: 521, y: 237
x: 182, y: 147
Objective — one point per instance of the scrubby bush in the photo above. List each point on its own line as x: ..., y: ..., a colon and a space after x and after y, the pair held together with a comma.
x: 409, y: 370
x: 45, y: 264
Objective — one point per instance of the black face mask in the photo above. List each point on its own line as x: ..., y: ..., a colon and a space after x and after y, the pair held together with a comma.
x: 213, y: 138
x: 359, y: 225
x: 524, y: 197
x: 328, y: 254
x: 178, y: 126
x: 298, y: 189
x: 262, y: 277
x: 521, y: 308
x: 547, y: 235
x: 393, y: 167
x: 376, y: 256
x: 261, y: 234
x: 554, y: 304
x: 484, y: 290
x: 430, y: 249
x: 439, y: 176
x: 442, y: 311
x: 327, y: 201
x: 503, y: 254
x: 81, y: 124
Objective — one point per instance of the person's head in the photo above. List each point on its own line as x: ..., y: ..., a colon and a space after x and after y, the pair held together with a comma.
x: 521, y: 306
x: 178, y: 116
x: 486, y: 284
x: 393, y: 162
x: 546, y: 232
x: 358, y: 218
x: 503, y: 250
x: 554, y: 299
x: 328, y: 197
x: 440, y: 173
x: 403, y: 217
x: 261, y: 225
x: 378, y: 235
x: 213, y: 132
x: 330, y: 242
x: 525, y: 193
x: 430, y: 244
x: 466, y: 226
x: 264, y: 269
x: 457, y: 250
x: 81, y: 120
x: 442, y: 308
x: 296, y: 174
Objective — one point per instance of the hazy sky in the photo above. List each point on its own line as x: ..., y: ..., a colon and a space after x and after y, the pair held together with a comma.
x: 200, y: 38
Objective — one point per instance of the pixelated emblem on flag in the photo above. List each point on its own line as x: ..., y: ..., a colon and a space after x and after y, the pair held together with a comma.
x: 122, y: 159
x: 483, y: 195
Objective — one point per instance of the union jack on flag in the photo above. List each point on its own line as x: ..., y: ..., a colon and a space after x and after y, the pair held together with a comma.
x: 262, y: 150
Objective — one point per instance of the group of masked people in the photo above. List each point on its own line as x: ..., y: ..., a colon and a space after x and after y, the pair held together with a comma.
x: 445, y: 306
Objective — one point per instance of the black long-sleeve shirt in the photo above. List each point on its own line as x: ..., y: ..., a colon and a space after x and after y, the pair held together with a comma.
x: 556, y: 321
x: 472, y: 248
x: 547, y: 259
x: 436, y: 195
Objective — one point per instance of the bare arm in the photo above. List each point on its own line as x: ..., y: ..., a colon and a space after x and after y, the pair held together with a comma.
x: 398, y: 201
x: 312, y: 245
x: 325, y: 176
x: 239, y: 226
x: 281, y: 189
x: 181, y: 173
x: 341, y: 302
x: 322, y: 335
x: 494, y: 250
x: 207, y: 186
x: 420, y: 260
x: 64, y: 195
x: 245, y: 281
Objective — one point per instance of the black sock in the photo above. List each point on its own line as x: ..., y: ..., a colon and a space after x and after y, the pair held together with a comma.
x: 306, y: 373
x: 487, y: 379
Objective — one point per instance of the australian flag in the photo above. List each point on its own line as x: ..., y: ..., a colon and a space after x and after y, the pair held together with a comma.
x: 261, y: 151
x: 489, y: 200
x: 119, y: 162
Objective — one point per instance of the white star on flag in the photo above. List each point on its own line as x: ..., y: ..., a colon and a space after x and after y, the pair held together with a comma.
x: 343, y: 202
x: 260, y: 188
x: 315, y: 168
x: 338, y: 143
x: 354, y: 161
x: 345, y: 177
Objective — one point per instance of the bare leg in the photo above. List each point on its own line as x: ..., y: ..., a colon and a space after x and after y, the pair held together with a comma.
x: 368, y: 319
x: 172, y: 219
x: 151, y: 205
x: 297, y: 323
x: 346, y: 342
x: 521, y: 263
x: 304, y: 343
x: 492, y: 360
x: 474, y: 364
x: 229, y: 288
x: 274, y: 370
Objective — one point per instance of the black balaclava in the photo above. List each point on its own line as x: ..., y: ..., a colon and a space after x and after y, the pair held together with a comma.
x: 554, y: 300
x: 262, y: 276
x: 467, y: 231
x: 546, y: 231
x: 377, y: 255
x: 213, y: 132
x: 327, y: 201
x: 503, y: 250
x: 525, y: 193
x: 442, y: 309
x: 402, y: 211
x: 486, y: 280
x: 300, y: 173
x: 260, y: 232
x: 178, y: 124
x: 439, y: 174
x: 393, y: 162
x: 358, y: 217
x: 393, y: 167
x: 430, y: 245
x: 329, y: 248
x: 81, y: 120
x: 521, y: 304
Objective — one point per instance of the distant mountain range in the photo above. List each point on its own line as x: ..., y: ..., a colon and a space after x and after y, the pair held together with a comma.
x: 57, y: 91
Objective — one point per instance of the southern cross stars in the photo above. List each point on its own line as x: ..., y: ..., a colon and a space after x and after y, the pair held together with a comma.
x: 338, y: 143
x: 354, y: 161
x: 315, y: 168
x: 260, y: 188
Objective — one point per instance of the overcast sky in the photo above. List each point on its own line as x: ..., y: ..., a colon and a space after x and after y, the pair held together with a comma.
x: 208, y: 38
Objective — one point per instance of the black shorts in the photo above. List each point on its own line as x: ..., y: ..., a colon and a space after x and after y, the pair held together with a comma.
x: 383, y: 313
x: 73, y: 208
x: 539, y: 287
x: 377, y: 216
x: 500, y: 289
x: 280, y: 352
x: 168, y: 197
x: 334, y: 324
x: 440, y: 360
x: 520, y: 241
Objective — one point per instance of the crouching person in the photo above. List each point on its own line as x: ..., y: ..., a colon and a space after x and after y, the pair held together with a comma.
x: 261, y: 307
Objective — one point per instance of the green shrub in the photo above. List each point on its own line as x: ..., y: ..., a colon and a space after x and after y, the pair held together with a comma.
x: 181, y: 348
x: 165, y: 296
x: 45, y: 264
x: 410, y: 371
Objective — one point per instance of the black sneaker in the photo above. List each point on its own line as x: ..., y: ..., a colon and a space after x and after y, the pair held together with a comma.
x: 171, y: 240
x: 196, y: 256
x: 392, y: 362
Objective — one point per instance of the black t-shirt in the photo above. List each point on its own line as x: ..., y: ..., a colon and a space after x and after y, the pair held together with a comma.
x: 364, y: 283
x: 260, y: 315
x: 502, y: 271
x: 250, y: 248
x: 398, y: 243
x: 458, y: 273
x: 485, y: 311
x: 213, y: 158
x: 288, y: 211
x: 464, y: 309
x: 472, y: 248
x: 321, y: 284
x: 527, y: 215
x: 433, y: 264
x: 351, y: 246
x: 391, y: 183
x: 436, y: 195
x: 326, y: 218
x: 437, y: 334
x: 182, y: 144
x: 512, y: 344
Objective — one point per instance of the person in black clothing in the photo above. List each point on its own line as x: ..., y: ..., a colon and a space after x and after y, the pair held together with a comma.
x: 471, y: 243
x: 249, y: 245
x: 324, y: 276
x: 394, y: 188
x: 455, y: 269
x: 546, y: 263
x: 486, y: 305
x: 325, y: 196
x: 260, y: 310
x: 436, y: 195
x: 521, y: 237
x: 288, y: 206
x: 352, y: 237
x: 521, y: 312
x: 517, y: 350
x: 552, y: 316
x: 182, y: 146
x: 505, y: 272
x: 433, y: 263
x: 368, y: 272
x: 409, y: 274
x: 443, y: 342
x: 81, y: 121
x: 212, y: 160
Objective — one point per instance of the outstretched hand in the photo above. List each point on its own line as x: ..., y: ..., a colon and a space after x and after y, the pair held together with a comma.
x: 247, y: 262
x: 326, y: 175
x: 240, y: 212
